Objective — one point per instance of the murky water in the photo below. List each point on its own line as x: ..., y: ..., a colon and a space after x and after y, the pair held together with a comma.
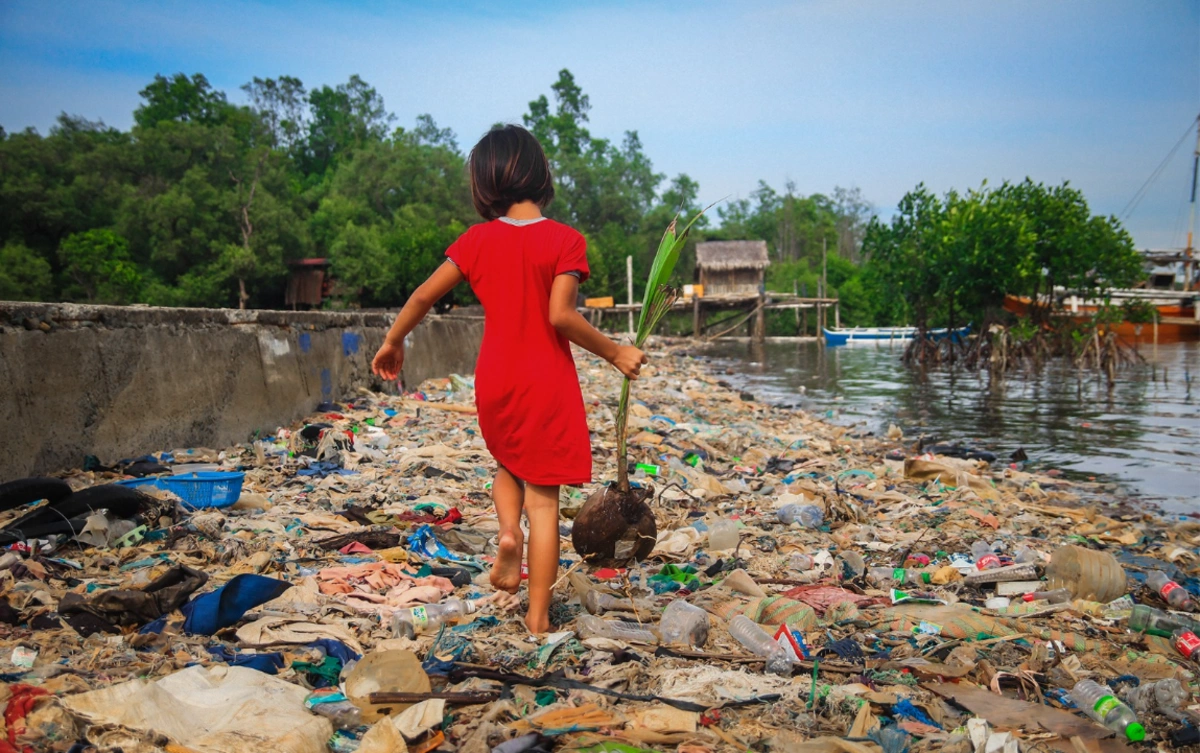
x: 1144, y: 433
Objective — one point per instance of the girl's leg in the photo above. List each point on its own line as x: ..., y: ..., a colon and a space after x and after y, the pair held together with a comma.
x: 508, y: 494
x: 541, y: 507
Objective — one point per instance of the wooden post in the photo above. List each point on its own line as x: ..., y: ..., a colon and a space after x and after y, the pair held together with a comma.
x: 804, y: 322
x: 796, y: 293
x: 695, y: 315
x: 837, y: 315
x: 760, y: 318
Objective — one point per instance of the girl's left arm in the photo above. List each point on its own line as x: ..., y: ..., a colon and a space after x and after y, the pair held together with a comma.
x: 390, y: 358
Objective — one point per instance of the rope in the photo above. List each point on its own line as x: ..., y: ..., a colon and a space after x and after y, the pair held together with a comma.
x: 740, y: 322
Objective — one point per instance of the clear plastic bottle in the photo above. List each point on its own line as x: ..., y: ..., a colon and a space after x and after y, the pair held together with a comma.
x: 801, y: 562
x: 1145, y: 619
x: 1057, y: 596
x: 985, y: 558
x: 723, y: 534
x: 748, y: 633
x: 809, y: 516
x: 407, y: 623
x: 1187, y: 643
x: 682, y: 622
x: 343, y: 714
x: 1171, y: 592
x: 1024, y: 555
x: 1098, y: 702
x: 590, y: 625
x: 1167, y: 697
x: 597, y: 602
x: 886, y: 577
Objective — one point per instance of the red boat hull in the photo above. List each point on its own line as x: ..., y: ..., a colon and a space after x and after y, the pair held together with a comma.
x: 1175, y: 323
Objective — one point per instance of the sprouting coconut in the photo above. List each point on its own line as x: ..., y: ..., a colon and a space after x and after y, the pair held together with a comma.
x: 615, y: 525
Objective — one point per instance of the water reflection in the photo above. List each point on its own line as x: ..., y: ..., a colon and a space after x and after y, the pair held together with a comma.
x: 1144, y: 431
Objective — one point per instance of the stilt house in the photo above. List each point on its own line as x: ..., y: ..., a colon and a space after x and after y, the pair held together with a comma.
x: 731, y: 268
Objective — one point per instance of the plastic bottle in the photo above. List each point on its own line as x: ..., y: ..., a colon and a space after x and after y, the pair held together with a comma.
x: 591, y: 625
x: 332, y: 704
x: 1164, y: 696
x: 985, y: 558
x: 426, y: 618
x: 886, y: 577
x: 1187, y: 643
x: 723, y: 534
x: 1098, y: 702
x: 1171, y: 592
x: 1057, y: 596
x: 1144, y: 619
x: 748, y: 633
x: 343, y: 714
x: 1025, y: 555
x: 801, y: 562
x: 598, y: 603
x: 809, y: 516
x: 682, y: 622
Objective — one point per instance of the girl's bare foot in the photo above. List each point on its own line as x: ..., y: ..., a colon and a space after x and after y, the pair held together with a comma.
x: 506, y: 573
x: 537, y: 623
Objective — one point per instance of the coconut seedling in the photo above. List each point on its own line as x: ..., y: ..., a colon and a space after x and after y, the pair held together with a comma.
x: 615, y: 525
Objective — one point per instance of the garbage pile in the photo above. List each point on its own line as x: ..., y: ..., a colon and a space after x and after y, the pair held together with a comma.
x: 811, y: 588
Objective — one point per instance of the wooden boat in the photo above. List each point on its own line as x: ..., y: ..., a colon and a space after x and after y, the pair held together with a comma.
x: 1177, y: 317
x: 845, y: 336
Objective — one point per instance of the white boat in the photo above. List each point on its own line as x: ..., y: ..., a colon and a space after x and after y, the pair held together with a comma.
x: 877, y: 334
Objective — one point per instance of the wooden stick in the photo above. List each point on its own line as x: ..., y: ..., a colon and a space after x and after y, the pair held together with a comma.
x: 465, y: 698
x: 454, y: 407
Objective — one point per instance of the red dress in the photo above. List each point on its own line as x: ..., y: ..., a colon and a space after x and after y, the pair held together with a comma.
x: 526, y: 387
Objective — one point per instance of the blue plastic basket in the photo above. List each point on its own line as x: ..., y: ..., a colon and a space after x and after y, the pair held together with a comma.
x: 207, y: 489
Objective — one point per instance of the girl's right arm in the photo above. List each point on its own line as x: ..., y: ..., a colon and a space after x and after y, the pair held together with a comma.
x: 390, y: 358
x: 570, y: 324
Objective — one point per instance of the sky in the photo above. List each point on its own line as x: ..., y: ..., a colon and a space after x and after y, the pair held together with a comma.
x: 875, y: 94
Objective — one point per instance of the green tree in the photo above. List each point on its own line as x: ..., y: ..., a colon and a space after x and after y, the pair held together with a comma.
x: 341, y: 120
x: 98, y: 263
x: 282, y: 104
x: 24, y: 275
x: 182, y: 100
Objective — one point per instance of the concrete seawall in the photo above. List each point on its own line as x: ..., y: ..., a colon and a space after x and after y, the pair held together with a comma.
x: 118, y: 382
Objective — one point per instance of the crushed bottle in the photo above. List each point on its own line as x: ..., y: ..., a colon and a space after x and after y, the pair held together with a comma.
x: 985, y: 558
x: 808, y: 516
x: 1187, y: 643
x: 723, y: 534
x: 1167, y: 697
x: 886, y: 577
x: 593, y: 626
x: 682, y: 622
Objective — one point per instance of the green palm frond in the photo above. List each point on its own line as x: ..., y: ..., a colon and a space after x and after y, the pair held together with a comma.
x: 656, y: 302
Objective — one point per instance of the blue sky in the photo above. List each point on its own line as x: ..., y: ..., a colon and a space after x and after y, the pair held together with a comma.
x: 879, y: 95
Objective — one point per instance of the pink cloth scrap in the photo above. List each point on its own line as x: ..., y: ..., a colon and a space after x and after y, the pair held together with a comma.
x: 381, y: 587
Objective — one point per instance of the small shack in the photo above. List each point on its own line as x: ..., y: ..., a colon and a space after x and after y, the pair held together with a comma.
x: 731, y: 268
x: 308, y: 283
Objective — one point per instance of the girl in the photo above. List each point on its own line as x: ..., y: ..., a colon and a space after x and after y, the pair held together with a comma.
x: 525, y: 270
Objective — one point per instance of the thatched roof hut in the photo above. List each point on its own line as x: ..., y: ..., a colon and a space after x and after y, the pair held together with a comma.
x: 731, y: 267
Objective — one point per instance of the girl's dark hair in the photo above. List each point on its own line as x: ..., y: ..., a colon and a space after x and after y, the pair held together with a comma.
x: 508, y: 166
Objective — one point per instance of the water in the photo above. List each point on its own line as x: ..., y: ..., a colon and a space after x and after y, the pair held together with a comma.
x: 1143, y: 434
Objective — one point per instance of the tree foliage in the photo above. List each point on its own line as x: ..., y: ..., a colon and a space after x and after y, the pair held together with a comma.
x: 204, y: 201
x: 949, y: 260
